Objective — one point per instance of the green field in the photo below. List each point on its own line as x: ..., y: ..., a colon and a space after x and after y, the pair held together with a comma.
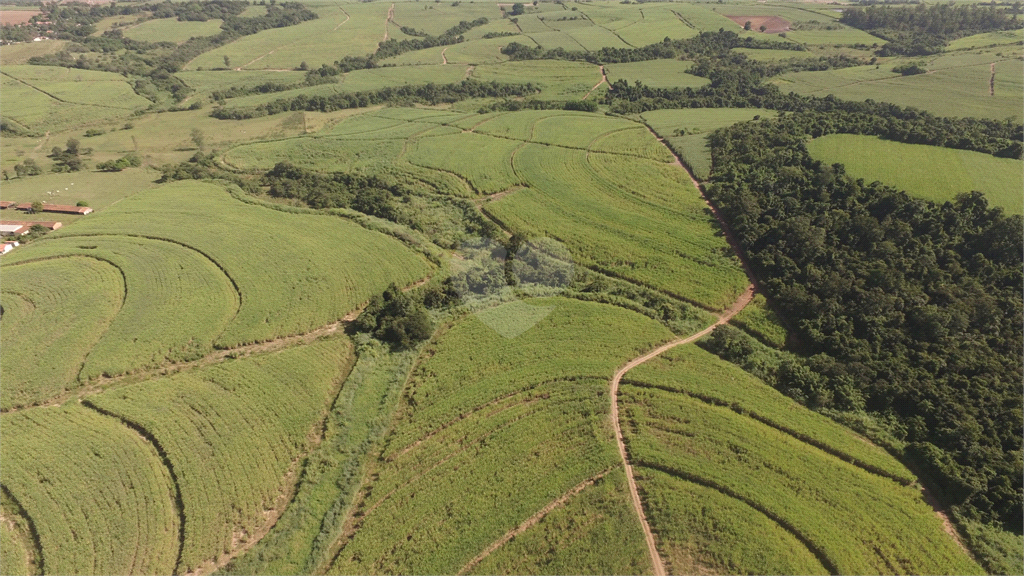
x: 352, y: 29
x: 48, y: 98
x: 557, y: 80
x: 323, y: 266
x: 172, y: 30
x: 646, y: 224
x: 656, y: 74
x: 98, y: 495
x: 929, y: 172
x: 231, y: 433
x: 97, y: 189
x: 483, y: 441
x: 957, y: 84
x: 697, y: 425
x: 64, y: 304
x: 176, y: 301
x: 686, y: 131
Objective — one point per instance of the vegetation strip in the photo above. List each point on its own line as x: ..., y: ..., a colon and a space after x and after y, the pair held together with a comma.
x: 659, y: 566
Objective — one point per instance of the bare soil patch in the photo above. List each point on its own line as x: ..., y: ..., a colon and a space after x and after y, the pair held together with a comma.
x: 772, y: 24
x: 16, y: 16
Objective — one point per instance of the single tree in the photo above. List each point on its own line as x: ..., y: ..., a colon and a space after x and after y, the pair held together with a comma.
x: 37, y: 207
x: 748, y: 25
x: 198, y: 138
x: 227, y: 62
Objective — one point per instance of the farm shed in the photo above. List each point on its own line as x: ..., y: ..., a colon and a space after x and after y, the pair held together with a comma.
x: 62, y: 208
x: 4, y: 204
x: 11, y: 229
x: 15, y: 225
x: 8, y: 246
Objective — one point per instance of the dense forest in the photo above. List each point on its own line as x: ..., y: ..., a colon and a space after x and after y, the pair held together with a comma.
x: 903, y: 307
x: 926, y: 29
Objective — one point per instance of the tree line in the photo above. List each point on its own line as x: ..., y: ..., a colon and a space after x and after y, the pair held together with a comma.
x: 431, y: 94
x: 902, y: 307
x: 926, y: 29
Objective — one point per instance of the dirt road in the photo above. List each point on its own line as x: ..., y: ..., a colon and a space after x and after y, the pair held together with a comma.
x: 659, y: 566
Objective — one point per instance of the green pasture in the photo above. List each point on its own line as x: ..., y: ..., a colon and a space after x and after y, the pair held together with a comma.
x: 656, y: 74
x: 558, y: 80
x: 775, y: 55
x: 351, y: 29
x: 436, y: 18
x: 54, y: 312
x: 210, y: 80
x: 15, y: 54
x: 930, y: 172
x: 172, y: 30
x: 176, y: 300
x: 484, y: 162
x: 956, y: 85
x: 482, y: 441
x: 1005, y: 38
x: 49, y: 98
x: 629, y: 218
x: 97, y: 189
x: 300, y: 539
x: 686, y: 131
x: 231, y: 433
x: 324, y: 266
x: 100, y: 499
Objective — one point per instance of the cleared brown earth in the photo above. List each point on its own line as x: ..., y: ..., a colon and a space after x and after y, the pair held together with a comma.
x: 16, y: 16
x: 772, y: 24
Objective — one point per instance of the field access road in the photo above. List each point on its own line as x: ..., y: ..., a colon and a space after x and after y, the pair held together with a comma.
x: 740, y: 304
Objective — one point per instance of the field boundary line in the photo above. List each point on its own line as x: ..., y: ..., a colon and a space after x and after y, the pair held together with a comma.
x: 129, y: 110
x: 33, y: 533
x: 819, y: 554
x: 744, y: 299
x: 179, y: 502
x: 529, y: 522
x: 711, y: 401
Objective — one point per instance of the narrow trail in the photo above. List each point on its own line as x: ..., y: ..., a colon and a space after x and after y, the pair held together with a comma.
x: 391, y: 16
x: 604, y: 79
x: 744, y: 299
x: 526, y: 524
x: 347, y: 18
x: 444, y: 59
x: 733, y: 243
x: 992, y: 79
x: 46, y: 138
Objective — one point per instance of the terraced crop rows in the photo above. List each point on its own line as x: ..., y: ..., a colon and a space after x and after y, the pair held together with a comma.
x: 54, y: 313
x: 100, y: 498
x: 312, y: 269
x: 231, y: 433
x: 850, y: 519
x: 177, y: 301
x: 486, y: 439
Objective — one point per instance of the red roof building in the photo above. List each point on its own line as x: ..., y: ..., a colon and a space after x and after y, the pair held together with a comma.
x: 62, y: 208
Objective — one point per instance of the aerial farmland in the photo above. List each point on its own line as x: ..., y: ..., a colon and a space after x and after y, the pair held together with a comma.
x: 552, y: 287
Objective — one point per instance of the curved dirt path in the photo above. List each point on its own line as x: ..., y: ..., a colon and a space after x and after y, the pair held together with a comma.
x: 604, y: 79
x: 444, y: 59
x: 741, y: 302
x: 391, y: 16
x: 526, y: 524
